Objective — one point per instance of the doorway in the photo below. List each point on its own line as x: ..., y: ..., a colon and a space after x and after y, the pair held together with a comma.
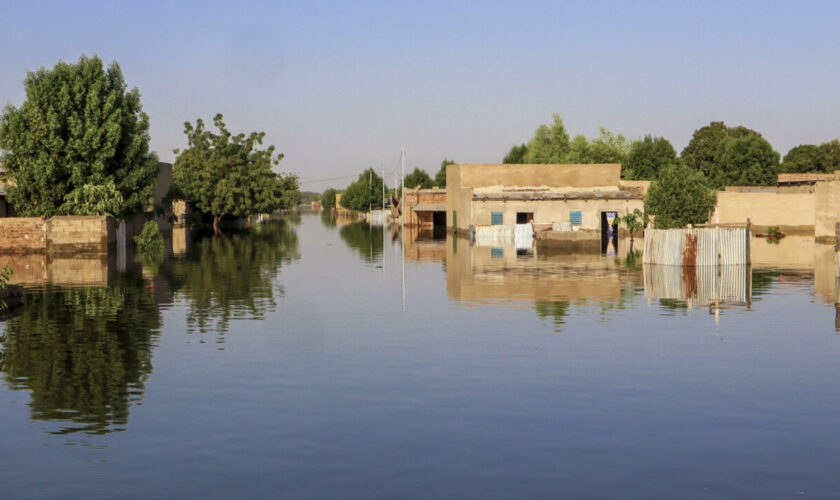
x: 609, y: 233
x: 524, y: 217
x: 439, y: 225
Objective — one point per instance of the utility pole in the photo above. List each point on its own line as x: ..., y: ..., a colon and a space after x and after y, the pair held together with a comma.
x: 402, y: 218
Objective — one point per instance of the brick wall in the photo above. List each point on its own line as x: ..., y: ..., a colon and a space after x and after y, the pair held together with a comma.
x: 23, y: 235
x: 56, y: 235
x: 426, y: 196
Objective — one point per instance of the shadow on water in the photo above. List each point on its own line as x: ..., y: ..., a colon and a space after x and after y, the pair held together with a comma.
x: 84, y: 353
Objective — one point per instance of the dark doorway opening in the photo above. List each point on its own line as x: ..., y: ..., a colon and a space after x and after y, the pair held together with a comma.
x: 524, y: 217
x: 439, y: 224
x: 609, y: 232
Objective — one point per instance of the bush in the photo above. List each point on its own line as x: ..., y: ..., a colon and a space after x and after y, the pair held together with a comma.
x: 679, y: 196
x: 150, y: 239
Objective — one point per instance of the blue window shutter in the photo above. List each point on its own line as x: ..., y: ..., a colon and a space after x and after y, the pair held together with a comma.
x: 576, y: 218
x: 497, y: 253
x: 496, y: 218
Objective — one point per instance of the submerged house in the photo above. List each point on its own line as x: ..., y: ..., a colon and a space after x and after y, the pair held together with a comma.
x: 569, y: 198
x: 425, y: 208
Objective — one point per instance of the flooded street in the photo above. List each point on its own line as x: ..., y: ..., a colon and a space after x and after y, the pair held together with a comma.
x: 312, y: 358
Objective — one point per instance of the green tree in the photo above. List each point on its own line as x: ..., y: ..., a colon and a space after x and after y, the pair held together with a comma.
x: 418, y: 177
x: 830, y: 156
x: 364, y: 193
x: 328, y: 199
x: 648, y: 157
x: 701, y: 151
x: 440, y: 176
x: 549, y: 144
x: 516, y: 155
x: 225, y: 174
x: 608, y: 148
x: 579, y: 151
x: 680, y: 195
x: 801, y: 159
x: 634, y: 221
x: 745, y: 161
x: 78, y: 145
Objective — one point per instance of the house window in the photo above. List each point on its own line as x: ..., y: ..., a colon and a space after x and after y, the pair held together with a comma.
x: 495, y: 218
x: 497, y: 253
x: 576, y: 218
x: 524, y: 217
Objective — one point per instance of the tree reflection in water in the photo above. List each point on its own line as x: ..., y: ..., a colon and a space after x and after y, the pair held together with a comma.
x: 232, y: 276
x: 83, y: 353
x: 364, y: 239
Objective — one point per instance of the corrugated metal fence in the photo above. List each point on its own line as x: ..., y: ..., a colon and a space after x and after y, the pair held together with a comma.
x: 700, y: 285
x: 696, y: 247
x: 377, y: 217
x: 501, y: 236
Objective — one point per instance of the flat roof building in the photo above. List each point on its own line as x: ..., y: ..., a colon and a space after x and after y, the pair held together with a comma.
x: 575, y: 194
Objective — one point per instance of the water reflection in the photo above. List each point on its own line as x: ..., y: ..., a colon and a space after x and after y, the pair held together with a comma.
x: 554, y: 284
x: 232, y: 276
x: 83, y: 353
x: 364, y: 240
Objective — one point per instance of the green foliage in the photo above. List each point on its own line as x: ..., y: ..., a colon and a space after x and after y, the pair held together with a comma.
x: 309, y: 196
x: 5, y: 275
x: 549, y: 144
x: 634, y: 221
x: 516, y: 155
x: 78, y: 145
x: 150, y: 239
x: 364, y: 193
x: 418, y: 177
x: 607, y: 148
x: 96, y: 199
x: 328, y: 199
x: 86, y: 373
x: 440, y: 176
x: 830, y: 156
x: 801, y: 159
x: 648, y: 157
x: 745, y: 161
x: 680, y: 195
x: 701, y: 151
x: 774, y: 235
x: 225, y: 174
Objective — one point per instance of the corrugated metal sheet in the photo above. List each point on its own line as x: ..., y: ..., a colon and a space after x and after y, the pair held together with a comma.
x: 696, y: 247
x: 699, y: 285
x: 377, y: 217
x: 524, y: 236
x: 505, y: 236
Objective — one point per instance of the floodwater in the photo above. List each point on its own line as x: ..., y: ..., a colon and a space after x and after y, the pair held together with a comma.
x: 292, y: 362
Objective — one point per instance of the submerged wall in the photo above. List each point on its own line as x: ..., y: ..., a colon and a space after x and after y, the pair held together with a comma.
x: 62, y: 234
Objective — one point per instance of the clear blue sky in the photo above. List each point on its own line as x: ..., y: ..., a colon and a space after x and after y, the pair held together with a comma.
x: 340, y: 86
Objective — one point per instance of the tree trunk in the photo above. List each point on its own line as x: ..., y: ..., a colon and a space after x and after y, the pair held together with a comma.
x: 216, y: 219
x: 248, y: 222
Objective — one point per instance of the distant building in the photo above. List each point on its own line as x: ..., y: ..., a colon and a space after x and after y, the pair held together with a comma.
x: 803, y: 183
x: 425, y: 208
x: 572, y: 196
